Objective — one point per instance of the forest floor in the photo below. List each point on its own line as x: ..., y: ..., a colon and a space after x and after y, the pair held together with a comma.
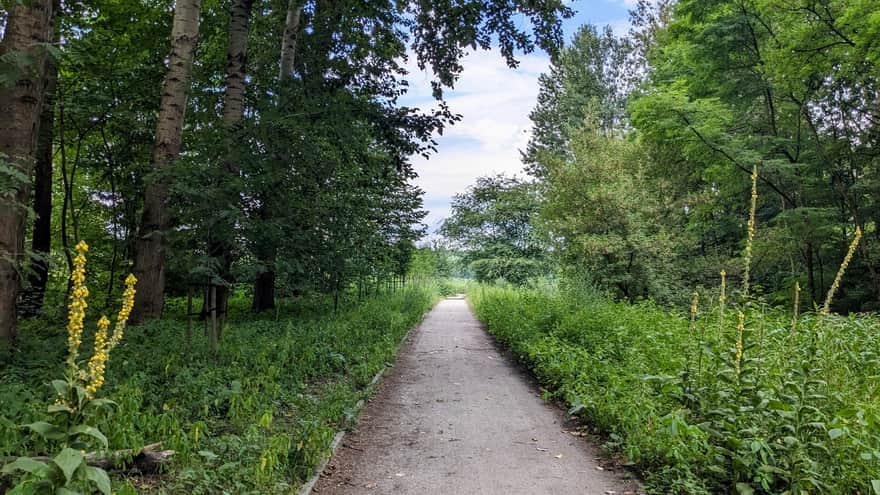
x: 455, y: 415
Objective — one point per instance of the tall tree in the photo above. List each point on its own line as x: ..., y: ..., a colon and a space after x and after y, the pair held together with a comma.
x: 266, y: 249
x: 149, y: 262
x: 221, y: 243
x: 591, y: 72
x: 28, y: 29
x: 41, y: 238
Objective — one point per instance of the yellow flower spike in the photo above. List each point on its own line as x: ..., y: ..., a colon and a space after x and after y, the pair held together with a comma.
x: 797, y: 301
x: 740, y: 328
x: 98, y: 361
x: 752, y: 228
x: 695, y: 302
x: 77, y: 305
x: 124, y: 311
x: 826, y: 308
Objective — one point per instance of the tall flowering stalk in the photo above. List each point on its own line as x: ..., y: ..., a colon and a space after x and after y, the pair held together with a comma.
x: 73, y: 414
x: 752, y: 228
x: 79, y: 295
x: 826, y: 308
x: 695, y: 303
x: 125, y: 310
x: 797, y: 301
x: 740, y: 329
x: 722, y: 302
x: 99, y: 359
x: 92, y: 377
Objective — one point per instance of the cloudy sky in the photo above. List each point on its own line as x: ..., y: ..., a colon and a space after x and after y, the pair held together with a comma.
x: 494, y: 102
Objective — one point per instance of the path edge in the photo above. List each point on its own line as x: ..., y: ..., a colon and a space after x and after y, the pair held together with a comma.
x: 306, y: 489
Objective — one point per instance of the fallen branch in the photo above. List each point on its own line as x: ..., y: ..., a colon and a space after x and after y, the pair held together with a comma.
x: 147, y: 460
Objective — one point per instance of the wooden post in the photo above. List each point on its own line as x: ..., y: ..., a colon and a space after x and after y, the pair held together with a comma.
x: 189, y: 313
x: 213, y: 306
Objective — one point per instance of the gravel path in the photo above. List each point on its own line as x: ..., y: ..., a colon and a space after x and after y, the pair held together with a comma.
x: 454, y: 416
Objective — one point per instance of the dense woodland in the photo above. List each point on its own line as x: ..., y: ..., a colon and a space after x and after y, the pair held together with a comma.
x: 262, y: 145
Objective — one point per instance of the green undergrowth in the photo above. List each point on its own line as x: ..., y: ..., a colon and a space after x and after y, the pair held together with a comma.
x: 255, y: 418
x: 797, y: 412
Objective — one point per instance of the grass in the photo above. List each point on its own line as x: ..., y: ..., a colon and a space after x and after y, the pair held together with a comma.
x: 802, y: 415
x: 255, y: 418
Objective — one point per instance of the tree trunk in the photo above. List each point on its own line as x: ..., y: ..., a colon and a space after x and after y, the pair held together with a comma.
x: 149, y: 260
x: 264, y: 285
x: 811, y: 278
x: 288, y: 39
x: 233, y: 111
x: 264, y: 288
x: 28, y: 27
x: 41, y: 239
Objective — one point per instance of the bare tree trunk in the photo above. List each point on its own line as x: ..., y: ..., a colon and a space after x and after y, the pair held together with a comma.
x: 233, y: 112
x: 28, y: 28
x: 41, y: 239
x: 149, y: 260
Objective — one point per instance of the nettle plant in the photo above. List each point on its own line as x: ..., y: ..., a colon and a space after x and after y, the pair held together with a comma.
x: 77, y: 406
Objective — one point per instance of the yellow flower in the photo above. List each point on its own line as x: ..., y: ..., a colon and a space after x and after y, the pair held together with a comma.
x: 740, y: 328
x: 98, y: 361
x: 92, y: 378
x: 826, y: 308
x: 752, y: 228
x: 124, y: 311
x: 77, y: 306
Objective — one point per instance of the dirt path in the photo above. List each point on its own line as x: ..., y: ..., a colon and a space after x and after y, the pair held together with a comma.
x: 455, y: 417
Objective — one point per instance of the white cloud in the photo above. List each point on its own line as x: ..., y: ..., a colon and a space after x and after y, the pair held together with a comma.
x: 494, y: 102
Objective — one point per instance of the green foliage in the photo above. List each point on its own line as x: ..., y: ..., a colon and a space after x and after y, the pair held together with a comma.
x: 733, y: 84
x: 590, y: 73
x: 492, y: 224
x: 800, y: 416
x: 256, y: 418
x: 600, y: 214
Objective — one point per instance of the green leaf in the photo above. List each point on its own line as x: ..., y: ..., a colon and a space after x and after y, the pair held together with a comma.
x: 90, y: 431
x: 207, y: 454
x: 25, y: 464
x: 23, y: 488
x: 744, y: 489
x: 875, y: 484
x: 65, y: 491
x: 47, y: 430
x: 54, y: 408
x: 99, y: 403
x: 60, y: 386
x: 99, y: 478
x: 836, y: 433
x: 69, y: 461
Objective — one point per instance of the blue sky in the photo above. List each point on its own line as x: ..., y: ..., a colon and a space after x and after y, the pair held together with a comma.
x: 494, y: 102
